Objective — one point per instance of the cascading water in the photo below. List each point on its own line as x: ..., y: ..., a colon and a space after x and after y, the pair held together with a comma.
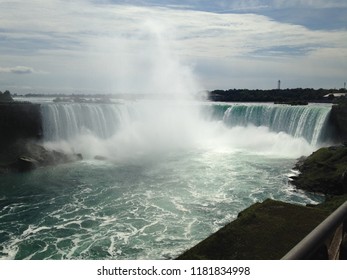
x: 174, y: 173
x: 175, y: 124
x: 175, y: 170
x: 122, y: 129
x: 298, y: 121
x: 67, y: 121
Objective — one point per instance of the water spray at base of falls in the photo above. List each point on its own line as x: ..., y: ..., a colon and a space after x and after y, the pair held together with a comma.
x: 154, y: 128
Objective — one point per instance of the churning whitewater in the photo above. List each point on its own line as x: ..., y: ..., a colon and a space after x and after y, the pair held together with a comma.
x: 172, y: 172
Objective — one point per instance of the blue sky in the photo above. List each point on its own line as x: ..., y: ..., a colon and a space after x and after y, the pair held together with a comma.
x: 120, y: 46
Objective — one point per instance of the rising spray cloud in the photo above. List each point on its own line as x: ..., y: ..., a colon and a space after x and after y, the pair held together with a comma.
x: 156, y: 127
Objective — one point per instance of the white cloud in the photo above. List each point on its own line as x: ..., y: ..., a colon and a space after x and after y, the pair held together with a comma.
x: 108, y: 47
x: 281, y: 4
x: 319, y: 4
x: 17, y: 70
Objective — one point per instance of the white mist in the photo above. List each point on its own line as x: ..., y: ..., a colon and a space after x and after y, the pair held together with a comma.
x: 170, y: 121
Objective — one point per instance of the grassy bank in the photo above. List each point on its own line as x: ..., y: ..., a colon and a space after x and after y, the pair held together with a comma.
x: 264, y: 231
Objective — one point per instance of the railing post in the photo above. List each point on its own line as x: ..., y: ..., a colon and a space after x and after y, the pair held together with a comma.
x: 335, y: 244
x: 321, y: 235
x: 343, y: 249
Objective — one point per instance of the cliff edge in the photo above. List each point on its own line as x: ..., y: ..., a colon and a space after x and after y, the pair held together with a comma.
x: 338, y: 118
x: 20, y: 135
x: 19, y: 121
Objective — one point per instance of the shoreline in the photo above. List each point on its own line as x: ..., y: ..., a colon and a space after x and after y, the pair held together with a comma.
x: 25, y: 153
x: 270, y: 229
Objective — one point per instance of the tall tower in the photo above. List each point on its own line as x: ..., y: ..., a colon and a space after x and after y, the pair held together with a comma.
x: 279, y: 84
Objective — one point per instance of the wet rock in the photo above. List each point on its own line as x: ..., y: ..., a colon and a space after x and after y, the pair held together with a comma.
x: 97, y: 157
x: 24, y: 164
x: 26, y: 156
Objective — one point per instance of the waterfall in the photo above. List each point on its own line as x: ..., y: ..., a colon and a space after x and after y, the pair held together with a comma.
x: 298, y: 121
x: 65, y: 121
x: 156, y: 127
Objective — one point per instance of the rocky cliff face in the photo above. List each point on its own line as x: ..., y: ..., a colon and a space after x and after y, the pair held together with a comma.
x: 338, y: 120
x: 20, y: 130
x: 19, y: 121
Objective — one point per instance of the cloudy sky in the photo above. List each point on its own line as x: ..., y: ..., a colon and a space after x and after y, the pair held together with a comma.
x: 125, y: 46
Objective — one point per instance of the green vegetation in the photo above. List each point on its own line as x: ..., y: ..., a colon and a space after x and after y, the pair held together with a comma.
x: 5, y: 97
x: 296, y: 95
x: 264, y: 231
x: 332, y: 203
x: 324, y: 171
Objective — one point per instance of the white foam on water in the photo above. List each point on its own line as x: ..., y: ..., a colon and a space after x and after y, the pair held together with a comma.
x: 170, y: 178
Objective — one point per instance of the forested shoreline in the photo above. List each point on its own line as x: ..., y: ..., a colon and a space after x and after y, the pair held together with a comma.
x: 277, y: 95
x: 229, y: 95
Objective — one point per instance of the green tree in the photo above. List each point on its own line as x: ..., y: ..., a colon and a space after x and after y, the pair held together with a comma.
x: 6, y: 96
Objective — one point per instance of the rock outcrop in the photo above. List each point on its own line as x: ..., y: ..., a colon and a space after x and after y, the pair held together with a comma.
x: 19, y: 121
x: 338, y: 121
x: 20, y: 135
x: 324, y: 171
x: 26, y: 156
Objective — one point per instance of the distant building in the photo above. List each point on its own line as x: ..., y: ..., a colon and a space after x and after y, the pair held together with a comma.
x: 335, y: 94
x: 279, y: 84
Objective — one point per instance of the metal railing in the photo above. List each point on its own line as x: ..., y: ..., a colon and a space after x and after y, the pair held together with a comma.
x: 328, y: 235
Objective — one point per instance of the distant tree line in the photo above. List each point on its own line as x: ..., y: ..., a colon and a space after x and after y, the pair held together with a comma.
x: 274, y: 95
x: 294, y: 96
